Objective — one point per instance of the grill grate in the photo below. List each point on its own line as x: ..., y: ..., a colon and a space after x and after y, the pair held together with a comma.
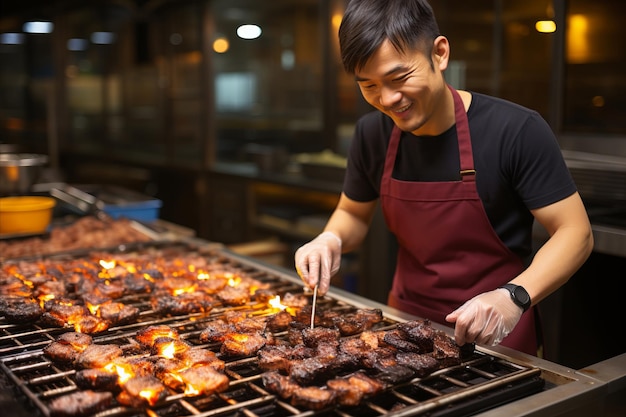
x: 481, y: 382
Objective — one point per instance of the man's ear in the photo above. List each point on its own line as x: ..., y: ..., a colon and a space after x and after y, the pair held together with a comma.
x: 441, y: 53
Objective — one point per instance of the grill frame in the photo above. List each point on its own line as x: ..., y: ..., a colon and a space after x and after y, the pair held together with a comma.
x: 541, y: 376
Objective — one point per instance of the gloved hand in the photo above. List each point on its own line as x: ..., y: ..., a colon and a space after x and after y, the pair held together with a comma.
x: 486, y: 319
x: 318, y: 260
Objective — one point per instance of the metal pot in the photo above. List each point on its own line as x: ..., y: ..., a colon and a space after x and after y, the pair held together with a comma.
x: 19, y: 171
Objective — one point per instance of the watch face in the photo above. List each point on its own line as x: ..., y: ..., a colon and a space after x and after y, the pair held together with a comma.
x: 521, y: 295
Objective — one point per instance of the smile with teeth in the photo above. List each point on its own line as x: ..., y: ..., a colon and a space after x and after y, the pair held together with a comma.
x: 402, y: 109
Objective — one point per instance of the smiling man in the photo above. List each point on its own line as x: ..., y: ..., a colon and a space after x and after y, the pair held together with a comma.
x: 461, y: 177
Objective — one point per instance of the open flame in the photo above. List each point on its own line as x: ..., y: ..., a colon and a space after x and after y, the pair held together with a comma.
x: 190, y: 289
x: 107, y: 264
x: 203, y: 275
x: 276, y: 304
x: 233, y: 280
x: 124, y: 371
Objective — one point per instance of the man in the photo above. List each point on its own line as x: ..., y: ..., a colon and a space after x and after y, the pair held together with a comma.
x: 460, y: 177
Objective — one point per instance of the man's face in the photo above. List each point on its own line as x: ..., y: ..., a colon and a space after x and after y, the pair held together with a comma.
x: 404, y: 86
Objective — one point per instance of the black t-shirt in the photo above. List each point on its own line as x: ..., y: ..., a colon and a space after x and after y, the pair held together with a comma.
x: 518, y: 162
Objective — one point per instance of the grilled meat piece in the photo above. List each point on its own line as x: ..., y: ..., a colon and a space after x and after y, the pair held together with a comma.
x: 422, y: 363
x: 352, y: 389
x: 395, y: 374
x: 198, y: 357
x: 132, y: 366
x: 379, y: 358
x: 446, y: 350
x: 280, y: 357
x: 142, y: 391
x: 118, y: 313
x: 357, y: 322
x: 279, y: 384
x: 50, y: 289
x: 148, y: 335
x: 59, y: 313
x: 203, y: 380
x: 61, y: 352
x: 98, y: 356
x: 251, y: 325
x: 96, y: 379
x: 349, y: 325
x: 215, y: 331
x: 67, y: 347
x: 275, y: 358
x: 314, y: 398
x: 138, y: 284
x: 242, y: 344
x: 419, y: 332
x: 294, y: 333
x: 313, y: 370
x: 90, y: 324
x: 234, y: 295
x: 313, y: 337
x: 168, y: 347
x: 355, y: 347
x: 81, y: 403
x: 212, y: 285
x: 373, y: 339
x: 370, y: 315
x: 185, y: 303
x: 279, y: 322
x: 327, y: 349
x: 79, y: 341
x: 397, y: 339
x: 295, y: 301
x: 20, y: 310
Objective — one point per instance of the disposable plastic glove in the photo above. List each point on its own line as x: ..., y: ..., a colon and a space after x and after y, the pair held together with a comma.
x: 486, y: 319
x: 318, y: 260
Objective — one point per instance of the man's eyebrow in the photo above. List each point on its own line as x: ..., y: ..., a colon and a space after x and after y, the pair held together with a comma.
x: 393, y: 70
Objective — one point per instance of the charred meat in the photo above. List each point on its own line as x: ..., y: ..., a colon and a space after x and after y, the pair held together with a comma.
x: 81, y: 403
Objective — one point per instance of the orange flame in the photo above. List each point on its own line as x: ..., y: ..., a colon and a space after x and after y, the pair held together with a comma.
x: 107, y: 264
x: 275, y: 303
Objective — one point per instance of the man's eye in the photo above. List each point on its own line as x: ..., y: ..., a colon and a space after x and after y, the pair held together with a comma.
x: 401, y: 78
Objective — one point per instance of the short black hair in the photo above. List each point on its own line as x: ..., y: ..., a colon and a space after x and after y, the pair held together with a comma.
x: 408, y: 24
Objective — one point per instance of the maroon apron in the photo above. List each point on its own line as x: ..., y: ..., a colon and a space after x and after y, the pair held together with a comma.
x: 447, y: 250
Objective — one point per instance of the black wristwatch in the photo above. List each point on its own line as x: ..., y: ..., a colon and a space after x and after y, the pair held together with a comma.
x: 518, y: 295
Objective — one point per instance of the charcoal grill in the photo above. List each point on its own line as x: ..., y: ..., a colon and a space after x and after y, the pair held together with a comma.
x: 488, y: 381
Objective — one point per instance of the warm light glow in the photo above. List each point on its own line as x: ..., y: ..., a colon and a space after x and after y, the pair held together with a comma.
x: 275, y: 303
x: 186, y: 290
x: 203, y: 276
x: 147, y: 277
x: 93, y: 308
x: 221, y: 45
x: 191, y: 390
x: 168, y: 351
x: 107, y: 264
x: 124, y: 373
x: 234, y: 281
x: 149, y: 395
x: 45, y: 297
x: 336, y: 20
x: 578, y: 47
x: 545, y: 26
x: 597, y: 101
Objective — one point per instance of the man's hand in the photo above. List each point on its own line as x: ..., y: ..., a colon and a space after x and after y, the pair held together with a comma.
x: 318, y: 260
x: 485, y: 319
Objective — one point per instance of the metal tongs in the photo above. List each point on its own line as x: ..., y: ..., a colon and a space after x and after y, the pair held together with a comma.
x: 313, y: 306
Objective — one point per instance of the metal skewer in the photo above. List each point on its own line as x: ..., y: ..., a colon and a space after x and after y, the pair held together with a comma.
x: 313, y: 308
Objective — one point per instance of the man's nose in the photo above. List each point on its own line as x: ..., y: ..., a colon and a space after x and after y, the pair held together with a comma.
x: 389, y: 97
